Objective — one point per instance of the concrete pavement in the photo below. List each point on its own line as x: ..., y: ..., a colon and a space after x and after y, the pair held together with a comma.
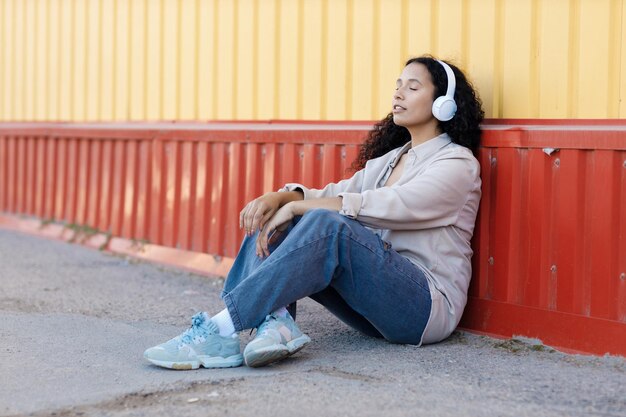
x: 74, y: 323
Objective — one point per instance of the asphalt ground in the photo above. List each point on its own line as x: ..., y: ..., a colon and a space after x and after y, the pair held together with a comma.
x: 74, y: 323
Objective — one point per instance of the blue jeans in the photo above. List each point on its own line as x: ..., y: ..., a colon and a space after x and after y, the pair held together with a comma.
x: 340, y: 264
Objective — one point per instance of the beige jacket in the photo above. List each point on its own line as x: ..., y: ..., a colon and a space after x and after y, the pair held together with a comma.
x: 428, y: 216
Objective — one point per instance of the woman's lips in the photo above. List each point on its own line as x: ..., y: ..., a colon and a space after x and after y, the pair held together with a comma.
x: 398, y: 109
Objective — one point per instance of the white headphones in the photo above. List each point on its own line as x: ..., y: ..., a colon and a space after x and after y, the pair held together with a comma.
x: 444, y: 107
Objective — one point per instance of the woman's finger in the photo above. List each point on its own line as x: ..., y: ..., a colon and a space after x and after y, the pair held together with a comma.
x: 257, y: 216
x: 246, y: 216
x: 259, y: 251
x: 262, y: 250
x: 242, y: 215
x: 250, y: 207
x: 248, y: 219
x: 265, y: 244
x: 268, y: 215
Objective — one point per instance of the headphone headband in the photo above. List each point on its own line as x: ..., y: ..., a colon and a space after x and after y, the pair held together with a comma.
x: 451, y: 79
x: 444, y: 107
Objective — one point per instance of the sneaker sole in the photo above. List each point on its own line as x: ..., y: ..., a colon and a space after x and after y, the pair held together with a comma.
x: 207, y: 362
x: 270, y: 354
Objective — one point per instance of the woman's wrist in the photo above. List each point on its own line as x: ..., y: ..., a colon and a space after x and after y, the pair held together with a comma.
x: 299, y: 207
x: 296, y: 207
x: 287, y: 197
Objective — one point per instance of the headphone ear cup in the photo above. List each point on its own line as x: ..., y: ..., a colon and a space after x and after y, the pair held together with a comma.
x: 444, y: 108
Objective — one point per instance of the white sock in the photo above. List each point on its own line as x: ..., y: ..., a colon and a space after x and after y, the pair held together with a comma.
x: 224, y: 323
x: 281, y: 312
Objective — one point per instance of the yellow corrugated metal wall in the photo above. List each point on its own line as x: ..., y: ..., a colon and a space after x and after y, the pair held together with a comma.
x: 90, y: 60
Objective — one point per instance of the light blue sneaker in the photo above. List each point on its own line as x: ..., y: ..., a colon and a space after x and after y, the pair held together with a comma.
x: 201, y: 344
x: 276, y: 338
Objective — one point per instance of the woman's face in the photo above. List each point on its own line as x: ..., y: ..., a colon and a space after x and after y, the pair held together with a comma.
x: 413, y: 100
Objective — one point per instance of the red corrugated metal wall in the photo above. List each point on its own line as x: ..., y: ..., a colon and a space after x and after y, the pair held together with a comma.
x: 550, y: 256
x: 550, y: 242
x: 181, y: 187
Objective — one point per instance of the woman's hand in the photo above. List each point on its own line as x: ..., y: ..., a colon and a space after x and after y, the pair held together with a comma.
x: 272, y: 229
x: 258, y: 211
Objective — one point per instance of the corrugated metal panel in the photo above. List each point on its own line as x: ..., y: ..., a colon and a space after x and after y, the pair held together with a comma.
x: 550, y: 237
x: 556, y: 221
x: 550, y: 242
x: 293, y: 59
x: 176, y: 188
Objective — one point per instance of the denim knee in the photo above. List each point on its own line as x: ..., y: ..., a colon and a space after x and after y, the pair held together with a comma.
x: 323, y: 218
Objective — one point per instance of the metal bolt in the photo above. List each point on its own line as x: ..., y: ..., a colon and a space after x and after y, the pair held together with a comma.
x: 301, y: 155
x: 624, y: 165
x: 622, y: 276
x: 557, y: 162
x: 553, y: 269
x: 493, y: 162
x: 490, y: 260
x: 343, y: 154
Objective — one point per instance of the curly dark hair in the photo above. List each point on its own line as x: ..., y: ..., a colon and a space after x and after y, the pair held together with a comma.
x: 463, y: 128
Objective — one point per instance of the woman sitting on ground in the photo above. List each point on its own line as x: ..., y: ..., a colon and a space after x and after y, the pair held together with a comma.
x: 387, y: 250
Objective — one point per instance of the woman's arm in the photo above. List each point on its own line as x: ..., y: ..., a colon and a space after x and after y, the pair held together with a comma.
x: 285, y: 214
x: 298, y: 208
x: 434, y: 198
x: 353, y: 184
x: 257, y: 212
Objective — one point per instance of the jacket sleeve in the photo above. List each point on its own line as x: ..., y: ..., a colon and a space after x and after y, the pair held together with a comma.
x: 353, y: 184
x: 433, y: 198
